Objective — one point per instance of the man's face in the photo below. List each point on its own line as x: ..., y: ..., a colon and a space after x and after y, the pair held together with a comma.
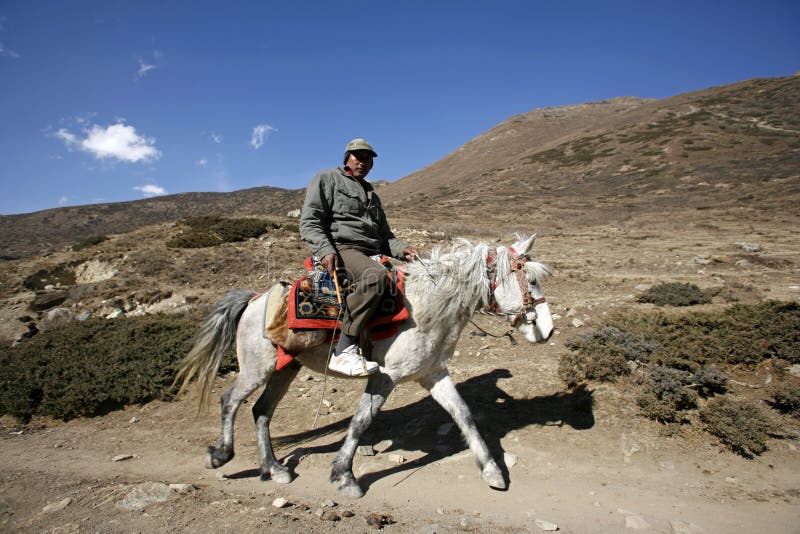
x: 360, y: 162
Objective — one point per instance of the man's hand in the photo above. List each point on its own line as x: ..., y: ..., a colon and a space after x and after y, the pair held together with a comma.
x: 331, y: 263
x: 410, y: 253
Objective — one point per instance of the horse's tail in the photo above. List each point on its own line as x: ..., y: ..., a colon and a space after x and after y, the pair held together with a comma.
x: 215, y: 338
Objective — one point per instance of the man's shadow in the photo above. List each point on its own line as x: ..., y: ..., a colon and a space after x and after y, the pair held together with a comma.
x: 425, y: 426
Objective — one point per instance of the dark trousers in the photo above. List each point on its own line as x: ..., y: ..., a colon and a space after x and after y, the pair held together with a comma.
x: 370, y: 278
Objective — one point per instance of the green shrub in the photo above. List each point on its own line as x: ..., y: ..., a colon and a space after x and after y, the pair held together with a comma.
x: 741, y: 426
x: 91, y: 367
x: 675, y: 294
x: 87, y: 242
x: 212, y: 230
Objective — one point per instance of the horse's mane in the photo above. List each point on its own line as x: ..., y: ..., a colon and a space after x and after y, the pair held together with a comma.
x: 451, y: 282
x: 456, y: 281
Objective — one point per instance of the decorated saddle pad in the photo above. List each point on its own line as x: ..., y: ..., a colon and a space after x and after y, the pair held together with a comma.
x: 313, y: 302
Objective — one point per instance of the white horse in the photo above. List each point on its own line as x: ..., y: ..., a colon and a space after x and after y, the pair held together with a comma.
x: 442, y: 294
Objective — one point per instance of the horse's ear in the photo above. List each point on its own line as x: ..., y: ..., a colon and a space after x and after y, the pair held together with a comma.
x: 527, y: 245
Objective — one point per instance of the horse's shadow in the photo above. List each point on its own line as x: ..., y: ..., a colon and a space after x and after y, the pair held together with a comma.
x: 426, y: 427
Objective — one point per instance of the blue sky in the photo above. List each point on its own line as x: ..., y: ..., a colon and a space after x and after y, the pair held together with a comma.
x: 105, y: 101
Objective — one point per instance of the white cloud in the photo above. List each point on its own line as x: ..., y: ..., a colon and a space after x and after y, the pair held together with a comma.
x: 118, y: 141
x: 151, y: 190
x: 63, y: 200
x: 201, y: 162
x: 84, y: 118
x: 69, y: 138
x: 217, y: 138
x: 260, y: 132
x: 144, y: 68
x: 7, y: 52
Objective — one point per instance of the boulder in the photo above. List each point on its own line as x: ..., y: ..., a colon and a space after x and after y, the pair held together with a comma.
x: 48, y: 299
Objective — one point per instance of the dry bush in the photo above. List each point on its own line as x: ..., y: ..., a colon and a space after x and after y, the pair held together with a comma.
x: 603, y: 355
x: 87, y: 242
x: 742, y: 334
x: 743, y: 427
x: 659, y: 410
x: 61, y: 274
x: 785, y: 397
x: 91, y: 367
x: 671, y: 393
x: 675, y: 294
x: 212, y: 230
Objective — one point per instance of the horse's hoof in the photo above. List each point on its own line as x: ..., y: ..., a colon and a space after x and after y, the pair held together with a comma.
x: 280, y: 475
x: 217, y: 457
x: 350, y: 488
x: 492, y: 475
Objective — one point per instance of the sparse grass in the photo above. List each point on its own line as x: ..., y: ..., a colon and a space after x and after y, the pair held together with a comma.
x: 675, y: 294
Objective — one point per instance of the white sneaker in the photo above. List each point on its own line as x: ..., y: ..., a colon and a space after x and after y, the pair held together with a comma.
x: 351, y: 363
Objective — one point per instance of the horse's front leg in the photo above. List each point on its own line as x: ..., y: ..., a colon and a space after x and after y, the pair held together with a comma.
x: 445, y: 393
x: 277, y: 386
x: 379, y: 386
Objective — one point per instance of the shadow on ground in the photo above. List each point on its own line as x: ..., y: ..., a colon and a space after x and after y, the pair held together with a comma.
x: 425, y: 426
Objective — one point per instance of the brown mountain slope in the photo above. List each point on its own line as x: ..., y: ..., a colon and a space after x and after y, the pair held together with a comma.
x: 32, y: 233
x: 720, y: 148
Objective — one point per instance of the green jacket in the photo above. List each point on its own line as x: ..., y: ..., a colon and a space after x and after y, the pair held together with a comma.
x: 338, y: 210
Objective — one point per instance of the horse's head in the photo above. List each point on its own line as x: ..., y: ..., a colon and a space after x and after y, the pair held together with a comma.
x: 517, y: 290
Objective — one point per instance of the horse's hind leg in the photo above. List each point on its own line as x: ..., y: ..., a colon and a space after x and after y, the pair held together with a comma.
x: 379, y: 386
x: 263, y: 409
x: 244, y: 386
x: 445, y: 393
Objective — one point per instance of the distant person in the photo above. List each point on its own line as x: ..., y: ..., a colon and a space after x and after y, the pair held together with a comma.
x: 344, y: 223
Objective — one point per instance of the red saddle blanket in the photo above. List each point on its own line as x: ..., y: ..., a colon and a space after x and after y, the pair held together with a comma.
x: 313, y: 304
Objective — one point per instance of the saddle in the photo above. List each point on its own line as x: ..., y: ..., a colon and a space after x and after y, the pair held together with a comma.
x: 308, y: 313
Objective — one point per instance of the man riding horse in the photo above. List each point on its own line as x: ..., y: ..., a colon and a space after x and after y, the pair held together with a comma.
x: 344, y: 223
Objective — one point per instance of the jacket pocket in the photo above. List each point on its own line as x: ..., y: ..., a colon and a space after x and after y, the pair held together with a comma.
x: 347, y: 202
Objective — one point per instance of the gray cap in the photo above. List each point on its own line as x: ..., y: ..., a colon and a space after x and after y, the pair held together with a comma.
x: 358, y: 144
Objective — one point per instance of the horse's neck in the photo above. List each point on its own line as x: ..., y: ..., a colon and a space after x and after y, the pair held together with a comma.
x: 442, y: 295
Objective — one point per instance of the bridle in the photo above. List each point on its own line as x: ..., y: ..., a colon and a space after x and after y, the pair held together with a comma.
x: 527, y: 310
